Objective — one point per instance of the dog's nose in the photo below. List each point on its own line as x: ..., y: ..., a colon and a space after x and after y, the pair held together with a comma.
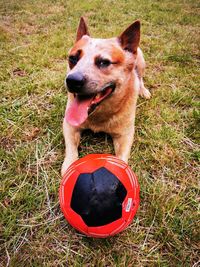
x: 75, y: 82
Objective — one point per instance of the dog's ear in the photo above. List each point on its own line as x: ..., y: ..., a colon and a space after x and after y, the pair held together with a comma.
x: 130, y: 38
x: 82, y: 29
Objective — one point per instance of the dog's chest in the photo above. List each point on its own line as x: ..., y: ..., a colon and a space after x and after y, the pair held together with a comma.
x: 97, y: 125
x: 111, y: 124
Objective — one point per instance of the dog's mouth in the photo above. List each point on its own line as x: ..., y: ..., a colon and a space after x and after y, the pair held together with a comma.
x: 83, y: 105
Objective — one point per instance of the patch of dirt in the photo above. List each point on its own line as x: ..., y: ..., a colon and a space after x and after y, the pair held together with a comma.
x: 31, y: 134
x: 19, y: 72
x: 28, y: 28
x: 7, y: 143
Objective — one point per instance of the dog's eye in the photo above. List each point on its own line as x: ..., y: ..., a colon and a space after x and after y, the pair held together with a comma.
x: 103, y: 63
x: 73, y: 60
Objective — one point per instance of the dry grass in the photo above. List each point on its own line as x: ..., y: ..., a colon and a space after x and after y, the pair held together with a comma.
x: 35, y: 37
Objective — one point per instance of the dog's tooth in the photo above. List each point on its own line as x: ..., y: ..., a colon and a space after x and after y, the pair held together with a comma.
x: 97, y: 96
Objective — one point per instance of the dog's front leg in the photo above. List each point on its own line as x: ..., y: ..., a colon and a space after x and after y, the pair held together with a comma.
x: 122, y: 145
x: 72, y: 139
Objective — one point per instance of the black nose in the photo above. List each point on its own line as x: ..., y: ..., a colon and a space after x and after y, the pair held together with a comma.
x: 75, y: 82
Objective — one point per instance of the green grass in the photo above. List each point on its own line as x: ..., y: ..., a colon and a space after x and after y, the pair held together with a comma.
x: 35, y: 37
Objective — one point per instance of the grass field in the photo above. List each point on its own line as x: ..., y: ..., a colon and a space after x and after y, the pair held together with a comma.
x: 35, y: 37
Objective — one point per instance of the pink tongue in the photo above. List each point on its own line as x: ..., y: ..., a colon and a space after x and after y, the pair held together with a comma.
x: 77, y: 112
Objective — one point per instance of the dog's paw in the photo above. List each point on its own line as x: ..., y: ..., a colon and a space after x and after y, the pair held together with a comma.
x: 144, y: 92
x: 67, y: 162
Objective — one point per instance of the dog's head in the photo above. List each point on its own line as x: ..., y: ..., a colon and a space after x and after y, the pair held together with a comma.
x: 99, y: 67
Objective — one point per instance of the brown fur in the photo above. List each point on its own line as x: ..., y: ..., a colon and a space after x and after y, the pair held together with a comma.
x: 116, y: 114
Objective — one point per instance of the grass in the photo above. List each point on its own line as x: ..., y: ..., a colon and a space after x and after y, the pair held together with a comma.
x: 35, y: 37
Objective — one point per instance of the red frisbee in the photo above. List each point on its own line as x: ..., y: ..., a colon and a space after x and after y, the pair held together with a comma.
x: 99, y: 195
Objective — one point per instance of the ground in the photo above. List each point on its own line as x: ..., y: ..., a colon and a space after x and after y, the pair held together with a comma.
x: 35, y: 38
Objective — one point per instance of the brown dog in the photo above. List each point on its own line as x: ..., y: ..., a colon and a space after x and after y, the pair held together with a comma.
x: 104, y: 80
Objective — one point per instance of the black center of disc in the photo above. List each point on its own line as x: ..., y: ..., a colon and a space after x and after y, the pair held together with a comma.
x: 97, y: 197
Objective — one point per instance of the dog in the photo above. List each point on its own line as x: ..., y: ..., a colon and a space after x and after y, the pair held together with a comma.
x: 104, y: 79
